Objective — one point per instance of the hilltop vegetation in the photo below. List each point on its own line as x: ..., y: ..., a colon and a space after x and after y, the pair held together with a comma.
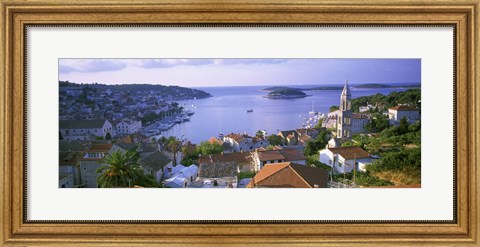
x: 409, y: 97
x: 399, y: 151
x: 176, y: 92
x: 286, y: 94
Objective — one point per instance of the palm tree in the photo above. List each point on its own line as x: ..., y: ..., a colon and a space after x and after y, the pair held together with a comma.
x: 173, y: 145
x: 119, y: 170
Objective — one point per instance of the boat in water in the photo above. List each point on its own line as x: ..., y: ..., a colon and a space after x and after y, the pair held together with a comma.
x: 251, y: 110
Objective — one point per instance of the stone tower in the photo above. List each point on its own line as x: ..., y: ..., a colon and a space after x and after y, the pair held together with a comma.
x: 344, y: 119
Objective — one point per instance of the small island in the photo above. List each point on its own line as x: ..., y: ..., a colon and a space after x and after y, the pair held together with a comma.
x: 286, y: 94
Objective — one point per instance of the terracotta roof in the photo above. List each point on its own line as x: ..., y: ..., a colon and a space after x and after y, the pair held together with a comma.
x: 103, y: 148
x: 82, y: 124
x: 350, y: 152
x: 215, y: 140
x: 403, y: 108
x: 239, y: 157
x: 289, y: 175
x: 237, y: 137
x: 292, y: 154
x: 127, y: 139
x: 270, y: 155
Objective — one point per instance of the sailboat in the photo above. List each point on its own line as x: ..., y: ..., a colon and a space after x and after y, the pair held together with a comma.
x: 312, y: 112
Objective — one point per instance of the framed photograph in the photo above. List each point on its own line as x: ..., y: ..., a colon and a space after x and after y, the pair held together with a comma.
x: 239, y: 123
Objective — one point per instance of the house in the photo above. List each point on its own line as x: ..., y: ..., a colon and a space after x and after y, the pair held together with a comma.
x: 344, y: 159
x: 90, y: 162
x: 128, y: 126
x: 244, y: 142
x: 404, y: 111
x: 183, y: 178
x: 69, y: 167
x: 358, y: 123
x: 290, y: 137
x: 366, y: 108
x: 85, y: 129
x: 156, y: 164
x: 262, y: 158
x: 224, y: 164
x: 289, y: 175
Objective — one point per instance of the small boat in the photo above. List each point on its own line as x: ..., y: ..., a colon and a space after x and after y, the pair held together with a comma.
x: 251, y: 110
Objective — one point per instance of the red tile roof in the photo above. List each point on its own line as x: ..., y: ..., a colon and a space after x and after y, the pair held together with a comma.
x: 292, y: 154
x: 100, y: 148
x: 289, y: 175
x: 403, y: 108
x: 350, y: 152
x: 239, y: 157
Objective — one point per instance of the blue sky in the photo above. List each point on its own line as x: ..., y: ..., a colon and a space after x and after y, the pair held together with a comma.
x: 239, y: 72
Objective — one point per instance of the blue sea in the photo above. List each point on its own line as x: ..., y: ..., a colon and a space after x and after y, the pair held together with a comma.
x: 226, y: 111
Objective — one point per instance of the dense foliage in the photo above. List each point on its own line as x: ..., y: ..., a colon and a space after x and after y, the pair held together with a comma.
x: 364, y: 179
x: 120, y: 169
x: 382, y: 102
x: 204, y: 148
x: 320, y: 142
x: 275, y: 140
x: 242, y: 175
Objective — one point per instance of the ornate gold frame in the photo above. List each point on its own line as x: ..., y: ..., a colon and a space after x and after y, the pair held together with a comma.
x: 16, y: 14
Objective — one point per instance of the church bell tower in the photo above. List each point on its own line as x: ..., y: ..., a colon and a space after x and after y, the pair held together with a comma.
x: 344, y: 119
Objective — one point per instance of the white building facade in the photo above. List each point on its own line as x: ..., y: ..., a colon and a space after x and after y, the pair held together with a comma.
x: 345, y: 159
x: 85, y: 129
x: 128, y: 126
x: 403, y: 111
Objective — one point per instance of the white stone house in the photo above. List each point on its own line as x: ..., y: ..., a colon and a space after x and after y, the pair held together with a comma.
x: 128, y: 126
x: 243, y: 142
x: 262, y: 158
x: 344, y: 159
x: 85, y: 129
x: 404, y: 111
x: 183, y: 178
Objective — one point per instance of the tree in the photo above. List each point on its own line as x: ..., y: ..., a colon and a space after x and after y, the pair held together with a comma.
x: 334, y: 108
x: 378, y: 123
x: 207, y: 148
x: 318, y: 126
x: 403, y: 126
x: 260, y: 133
x: 313, y: 146
x: 173, y: 145
x: 119, y: 169
x: 275, y: 140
